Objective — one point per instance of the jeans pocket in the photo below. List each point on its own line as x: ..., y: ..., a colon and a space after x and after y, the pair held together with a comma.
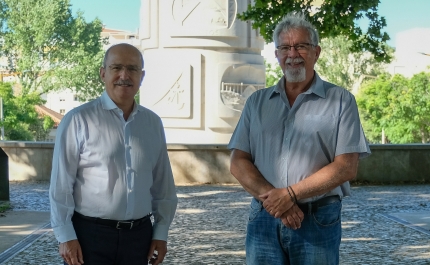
x: 328, y: 215
x: 255, y: 208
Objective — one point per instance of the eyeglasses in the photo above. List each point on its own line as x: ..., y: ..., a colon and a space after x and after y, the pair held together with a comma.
x: 131, y: 69
x: 300, y: 48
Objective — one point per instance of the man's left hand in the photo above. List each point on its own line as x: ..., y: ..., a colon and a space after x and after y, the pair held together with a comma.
x: 157, y: 251
x: 276, y: 201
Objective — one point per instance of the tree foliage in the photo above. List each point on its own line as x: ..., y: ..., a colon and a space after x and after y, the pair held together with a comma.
x: 332, y: 18
x: 273, y: 74
x: 338, y: 65
x: 21, y: 121
x: 49, y: 49
x: 397, y: 105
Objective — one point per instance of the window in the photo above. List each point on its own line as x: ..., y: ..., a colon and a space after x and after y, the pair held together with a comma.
x: 75, y: 98
x: 62, y: 99
x: 62, y: 111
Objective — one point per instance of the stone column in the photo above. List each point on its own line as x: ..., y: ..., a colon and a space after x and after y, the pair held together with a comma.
x: 201, y: 64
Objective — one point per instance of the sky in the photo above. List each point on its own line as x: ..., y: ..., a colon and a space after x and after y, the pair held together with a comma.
x: 400, y: 15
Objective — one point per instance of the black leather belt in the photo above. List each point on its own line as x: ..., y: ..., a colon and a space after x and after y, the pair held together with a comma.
x: 128, y: 224
x: 312, y: 207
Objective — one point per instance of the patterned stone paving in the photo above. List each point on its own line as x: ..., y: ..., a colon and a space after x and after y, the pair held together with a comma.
x: 209, y: 227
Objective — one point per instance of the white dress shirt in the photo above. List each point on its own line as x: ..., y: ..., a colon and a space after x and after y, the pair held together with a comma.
x: 104, y: 166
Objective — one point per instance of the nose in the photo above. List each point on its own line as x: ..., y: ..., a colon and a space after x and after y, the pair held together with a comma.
x: 292, y: 51
x: 123, y: 73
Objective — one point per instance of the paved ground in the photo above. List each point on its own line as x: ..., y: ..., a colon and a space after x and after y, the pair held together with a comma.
x: 381, y: 225
x: 17, y: 225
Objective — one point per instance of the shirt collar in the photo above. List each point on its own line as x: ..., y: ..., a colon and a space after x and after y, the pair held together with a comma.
x: 108, y: 103
x: 317, y: 87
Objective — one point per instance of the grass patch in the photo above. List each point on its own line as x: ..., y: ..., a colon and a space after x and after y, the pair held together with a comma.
x: 4, y: 206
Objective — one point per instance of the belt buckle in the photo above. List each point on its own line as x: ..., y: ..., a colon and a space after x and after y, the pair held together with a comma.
x: 119, y: 223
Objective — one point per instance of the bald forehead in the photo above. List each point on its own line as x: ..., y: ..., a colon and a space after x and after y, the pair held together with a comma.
x: 123, y: 47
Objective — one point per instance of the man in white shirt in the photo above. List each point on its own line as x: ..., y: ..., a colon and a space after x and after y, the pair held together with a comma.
x: 111, y: 172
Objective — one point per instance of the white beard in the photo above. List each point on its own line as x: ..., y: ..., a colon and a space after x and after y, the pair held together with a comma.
x: 294, y: 75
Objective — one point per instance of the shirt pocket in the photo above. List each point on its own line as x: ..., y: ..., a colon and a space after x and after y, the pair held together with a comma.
x: 318, y: 129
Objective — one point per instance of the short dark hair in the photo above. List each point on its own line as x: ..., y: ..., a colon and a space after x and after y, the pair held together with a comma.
x: 121, y: 44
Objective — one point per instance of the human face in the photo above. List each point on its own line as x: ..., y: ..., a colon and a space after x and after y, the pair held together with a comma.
x: 123, y: 74
x: 298, y: 66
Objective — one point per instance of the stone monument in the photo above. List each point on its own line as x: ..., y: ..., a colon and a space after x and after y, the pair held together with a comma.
x: 201, y: 64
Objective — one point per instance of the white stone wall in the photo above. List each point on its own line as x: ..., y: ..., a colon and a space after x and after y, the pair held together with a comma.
x: 201, y: 64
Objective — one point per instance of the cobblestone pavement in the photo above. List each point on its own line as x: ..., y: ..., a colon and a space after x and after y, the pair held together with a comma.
x: 209, y: 227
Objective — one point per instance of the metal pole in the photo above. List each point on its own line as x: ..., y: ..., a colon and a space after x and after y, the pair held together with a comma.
x: 1, y: 119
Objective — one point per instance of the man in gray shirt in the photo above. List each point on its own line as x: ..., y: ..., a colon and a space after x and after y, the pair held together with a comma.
x: 295, y: 148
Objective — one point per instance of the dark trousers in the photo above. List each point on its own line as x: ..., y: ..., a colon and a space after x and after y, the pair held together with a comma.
x: 104, y: 245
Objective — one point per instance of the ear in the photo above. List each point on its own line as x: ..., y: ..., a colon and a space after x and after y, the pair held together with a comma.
x: 143, y: 75
x: 317, y: 52
x: 102, y: 72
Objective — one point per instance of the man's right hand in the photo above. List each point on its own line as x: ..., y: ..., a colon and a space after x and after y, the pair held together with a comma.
x: 71, y: 252
x: 293, y: 217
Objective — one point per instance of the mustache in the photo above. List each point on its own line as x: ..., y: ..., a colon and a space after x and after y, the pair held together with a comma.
x: 294, y: 60
x: 122, y: 83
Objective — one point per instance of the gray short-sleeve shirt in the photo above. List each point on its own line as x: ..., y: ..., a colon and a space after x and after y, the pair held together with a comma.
x: 288, y: 144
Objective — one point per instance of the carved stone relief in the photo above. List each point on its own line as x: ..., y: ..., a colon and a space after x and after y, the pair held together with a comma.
x: 175, y: 99
x: 237, y: 84
x: 203, y: 16
x: 234, y: 95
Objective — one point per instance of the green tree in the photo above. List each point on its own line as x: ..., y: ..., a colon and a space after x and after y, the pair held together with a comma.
x: 397, y: 105
x: 41, y: 128
x: 338, y: 65
x: 331, y: 19
x: 49, y: 49
x: 372, y: 101
x: 21, y: 121
x: 415, y: 108
x: 273, y: 74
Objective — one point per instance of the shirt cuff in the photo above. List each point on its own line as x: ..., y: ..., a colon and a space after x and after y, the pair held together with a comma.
x: 64, y: 233
x: 160, y: 232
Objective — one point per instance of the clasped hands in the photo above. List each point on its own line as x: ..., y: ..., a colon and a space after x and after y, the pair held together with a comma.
x: 279, y: 204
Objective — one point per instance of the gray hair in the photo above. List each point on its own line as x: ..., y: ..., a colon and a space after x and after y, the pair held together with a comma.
x: 121, y: 44
x: 295, y: 20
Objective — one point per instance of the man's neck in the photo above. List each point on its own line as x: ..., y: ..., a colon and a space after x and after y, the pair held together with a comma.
x: 126, y: 109
x: 293, y: 89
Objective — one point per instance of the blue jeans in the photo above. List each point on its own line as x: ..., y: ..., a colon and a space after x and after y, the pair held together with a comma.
x: 269, y: 241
